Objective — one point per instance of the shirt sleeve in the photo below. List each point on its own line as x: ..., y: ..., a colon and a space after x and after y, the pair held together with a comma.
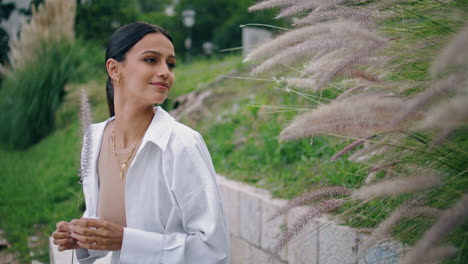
x: 206, y: 236
x: 87, y: 256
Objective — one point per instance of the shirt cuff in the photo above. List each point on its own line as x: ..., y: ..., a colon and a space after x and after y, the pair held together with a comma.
x: 138, y: 243
x: 89, y: 256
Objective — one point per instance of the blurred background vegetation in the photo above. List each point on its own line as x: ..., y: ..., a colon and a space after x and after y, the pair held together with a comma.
x: 240, y: 123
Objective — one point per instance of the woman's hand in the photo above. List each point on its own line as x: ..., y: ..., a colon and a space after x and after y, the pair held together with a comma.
x: 97, y: 234
x: 62, y: 237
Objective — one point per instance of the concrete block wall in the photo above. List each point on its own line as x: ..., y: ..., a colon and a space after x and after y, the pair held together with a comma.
x: 252, y: 239
x: 321, y: 242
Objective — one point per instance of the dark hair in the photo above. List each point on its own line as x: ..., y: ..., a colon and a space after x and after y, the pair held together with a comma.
x: 121, y: 41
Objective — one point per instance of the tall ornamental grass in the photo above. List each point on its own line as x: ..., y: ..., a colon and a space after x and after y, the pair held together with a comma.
x: 401, y: 72
x: 41, y: 62
x: 31, y: 96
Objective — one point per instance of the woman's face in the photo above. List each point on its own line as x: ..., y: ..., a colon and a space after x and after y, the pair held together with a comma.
x: 147, y: 72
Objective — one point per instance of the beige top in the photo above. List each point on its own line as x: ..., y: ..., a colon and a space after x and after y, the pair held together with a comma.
x: 111, y: 202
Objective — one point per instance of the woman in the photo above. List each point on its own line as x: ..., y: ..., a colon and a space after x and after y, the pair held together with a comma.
x: 151, y: 193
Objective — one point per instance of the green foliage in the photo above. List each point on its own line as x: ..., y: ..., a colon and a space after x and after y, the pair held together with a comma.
x: 5, y: 11
x: 30, y: 97
x: 96, y: 20
x: 147, y: 6
x: 210, y: 23
x: 39, y: 188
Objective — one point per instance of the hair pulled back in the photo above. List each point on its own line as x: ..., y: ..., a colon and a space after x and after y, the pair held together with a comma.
x: 121, y: 41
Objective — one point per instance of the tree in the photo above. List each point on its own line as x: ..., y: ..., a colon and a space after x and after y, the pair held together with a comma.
x: 5, y: 11
x: 96, y: 20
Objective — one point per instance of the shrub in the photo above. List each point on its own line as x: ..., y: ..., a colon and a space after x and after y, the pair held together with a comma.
x: 30, y: 96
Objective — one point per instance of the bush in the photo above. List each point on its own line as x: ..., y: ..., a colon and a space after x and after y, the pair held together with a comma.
x: 30, y: 96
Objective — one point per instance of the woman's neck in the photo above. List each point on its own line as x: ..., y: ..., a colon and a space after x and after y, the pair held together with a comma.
x: 131, y: 123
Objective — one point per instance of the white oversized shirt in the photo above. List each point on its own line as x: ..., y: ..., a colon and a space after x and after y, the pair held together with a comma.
x: 173, y: 206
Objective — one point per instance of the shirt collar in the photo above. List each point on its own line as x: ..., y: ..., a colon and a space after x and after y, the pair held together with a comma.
x: 159, y: 130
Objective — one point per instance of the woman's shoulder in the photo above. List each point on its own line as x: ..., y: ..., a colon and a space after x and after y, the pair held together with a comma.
x: 185, y: 137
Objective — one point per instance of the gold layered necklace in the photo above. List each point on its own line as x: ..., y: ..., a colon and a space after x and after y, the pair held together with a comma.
x: 122, y: 164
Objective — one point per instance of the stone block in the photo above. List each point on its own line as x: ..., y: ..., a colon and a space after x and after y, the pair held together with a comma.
x: 250, y: 217
x: 239, y: 250
x: 303, y: 248
x: 387, y: 252
x: 230, y: 198
x: 258, y: 256
x: 272, y: 231
x: 337, y: 244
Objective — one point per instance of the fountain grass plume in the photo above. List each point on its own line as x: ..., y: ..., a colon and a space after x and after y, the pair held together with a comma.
x: 51, y: 22
x: 350, y: 147
x: 382, y: 231
x: 357, y: 116
x: 287, y: 39
x: 446, y: 116
x: 436, y: 90
x: 449, y: 220
x: 325, y: 192
x: 299, y: 51
x: 320, y: 15
x: 398, y: 186
x: 267, y: 4
x: 454, y: 54
x: 86, y: 120
x: 316, y: 211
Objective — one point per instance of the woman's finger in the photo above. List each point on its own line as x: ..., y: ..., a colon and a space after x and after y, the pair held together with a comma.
x: 63, y: 226
x: 59, y: 235
x: 88, y: 231
x: 89, y: 222
x: 63, y: 242
x: 67, y: 247
x: 86, y: 239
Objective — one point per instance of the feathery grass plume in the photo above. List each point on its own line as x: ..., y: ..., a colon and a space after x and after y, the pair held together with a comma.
x: 397, y: 186
x: 359, y: 116
x: 323, y: 14
x: 350, y: 147
x: 266, y: 4
x: 433, y: 92
x: 338, y: 63
x: 300, y: 51
x: 86, y: 120
x: 408, y: 210
x: 287, y: 39
x: 306, y: 6
x: 449, y: 220
x: 378, y: 148
x: 326, y: 192
x: 371, y: 177
x: 301, y: 83
x: 349, y: 91
x: 447, y: 116
x: 51, y: 22
x: 436, y: 255
x: 453, y: 54
x: 323, y: 207
x: 357, y: 74
x: 345, y: 64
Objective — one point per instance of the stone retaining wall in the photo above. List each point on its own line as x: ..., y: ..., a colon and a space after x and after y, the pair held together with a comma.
x: 252, y: 239
x: 320, y: 242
